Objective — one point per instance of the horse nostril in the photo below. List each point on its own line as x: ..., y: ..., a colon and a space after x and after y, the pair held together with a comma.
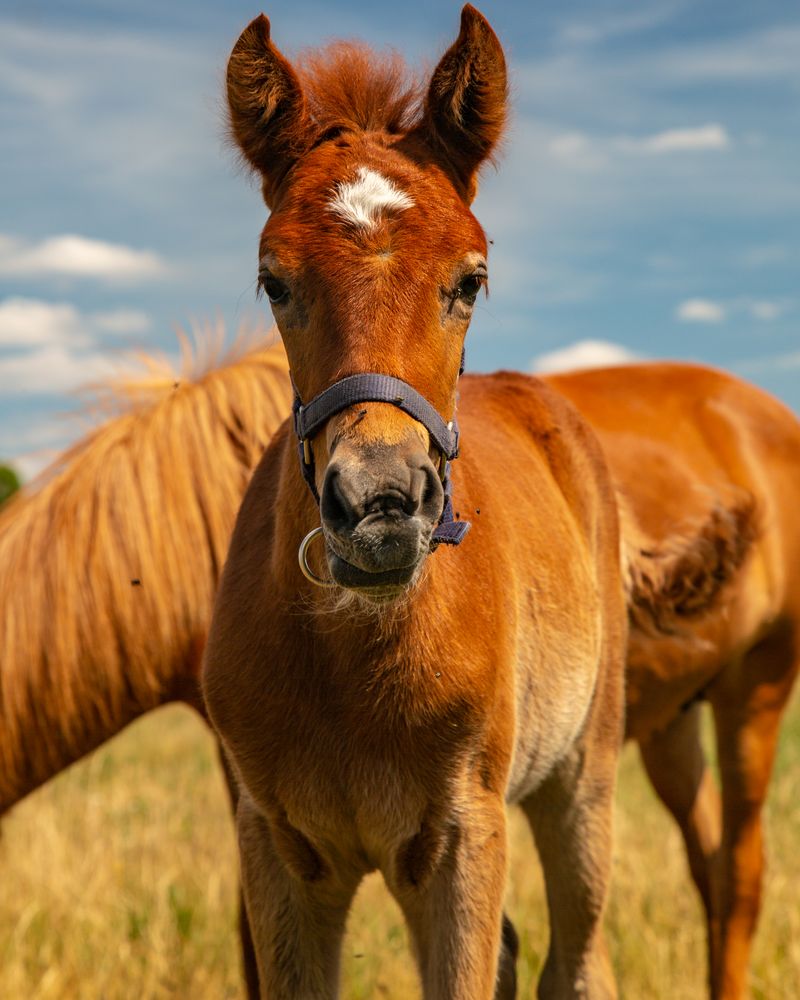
x: 336, y: 509
x: 432, y: 490
x: 432, y: 499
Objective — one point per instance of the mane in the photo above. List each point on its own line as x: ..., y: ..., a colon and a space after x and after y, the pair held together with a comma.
x: 349, y: 87
x: 110, y: 564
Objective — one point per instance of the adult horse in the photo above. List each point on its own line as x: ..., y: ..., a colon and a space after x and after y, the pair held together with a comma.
x: 386, y: 731
x: 691, y: 446
x: 109, y: 568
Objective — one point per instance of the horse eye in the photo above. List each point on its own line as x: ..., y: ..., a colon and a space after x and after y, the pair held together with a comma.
x: 469, y: 287
x: 277, y: 291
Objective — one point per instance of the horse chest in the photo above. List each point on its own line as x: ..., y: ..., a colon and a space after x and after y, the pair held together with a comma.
x: 355, y: 782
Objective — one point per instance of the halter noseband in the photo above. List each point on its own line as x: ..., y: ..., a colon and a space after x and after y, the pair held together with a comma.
x: 371, y: 387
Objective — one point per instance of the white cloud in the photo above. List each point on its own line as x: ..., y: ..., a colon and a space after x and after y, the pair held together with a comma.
x: 29, y: 447
x: 709, y: 311
x: 765, y: 310
x: 584, y: 354
x: 684, y: 140
x: 29, y: 465
x: 122, y: 321
x: 581, y: 151
x: 776, y: 363
x: 30, y: 322
x: 700, y: 311
x: 51, y: 347
x: 52, y: 368
x: 760, y: 55
x: 569, y: 144
x: 33, y: 323
x: 78, y: 257
x: 577, y: 150
x: 602, y: 29
x: 766, y: 255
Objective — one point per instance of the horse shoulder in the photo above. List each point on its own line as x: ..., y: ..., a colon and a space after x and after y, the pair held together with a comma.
x: 561, y: 531
x: 547, y: 427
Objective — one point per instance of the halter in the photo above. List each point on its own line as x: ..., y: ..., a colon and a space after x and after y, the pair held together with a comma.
x: 371, y: 387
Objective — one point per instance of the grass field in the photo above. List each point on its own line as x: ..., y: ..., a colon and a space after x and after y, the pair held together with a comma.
x: 118, y: 881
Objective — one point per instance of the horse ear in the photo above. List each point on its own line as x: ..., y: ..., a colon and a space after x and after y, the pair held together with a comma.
x: 465, y: 109
x: 267, y: 109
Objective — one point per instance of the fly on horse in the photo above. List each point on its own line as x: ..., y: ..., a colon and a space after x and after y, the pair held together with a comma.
x: 691, y: 446
x: 388, y: 729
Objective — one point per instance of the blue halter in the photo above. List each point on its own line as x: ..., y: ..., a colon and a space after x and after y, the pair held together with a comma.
x: 370, y: 387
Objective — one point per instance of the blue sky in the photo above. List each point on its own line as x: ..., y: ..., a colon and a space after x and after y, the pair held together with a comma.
x: 647, y: 204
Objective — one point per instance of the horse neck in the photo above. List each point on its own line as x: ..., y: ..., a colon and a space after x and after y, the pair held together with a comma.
x: 110, y: 570
x: 344, y: 632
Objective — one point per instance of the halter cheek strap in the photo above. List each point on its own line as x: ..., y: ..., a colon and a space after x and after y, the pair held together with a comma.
x: 371, y: 387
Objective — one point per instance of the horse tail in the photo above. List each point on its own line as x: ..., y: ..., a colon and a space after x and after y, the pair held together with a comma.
x: 678, y: 579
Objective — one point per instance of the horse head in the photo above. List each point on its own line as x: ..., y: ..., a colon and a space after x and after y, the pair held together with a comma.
x: 372, y: 262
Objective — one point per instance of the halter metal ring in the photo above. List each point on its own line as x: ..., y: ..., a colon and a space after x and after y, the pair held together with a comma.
x: 306, y: 570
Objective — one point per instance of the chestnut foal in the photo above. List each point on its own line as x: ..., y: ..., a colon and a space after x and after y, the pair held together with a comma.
x: 380, y: 711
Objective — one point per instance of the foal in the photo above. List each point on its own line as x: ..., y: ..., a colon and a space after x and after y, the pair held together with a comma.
x: 387, y: 730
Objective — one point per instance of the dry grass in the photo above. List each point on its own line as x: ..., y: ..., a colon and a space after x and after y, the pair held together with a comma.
x: 118, y: 880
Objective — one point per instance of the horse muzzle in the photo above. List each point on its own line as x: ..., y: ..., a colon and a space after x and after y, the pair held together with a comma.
x: 379, y: 505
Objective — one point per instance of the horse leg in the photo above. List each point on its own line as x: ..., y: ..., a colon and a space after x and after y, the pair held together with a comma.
x: 570, y: 815
x: 506, y: 987
x: 748, y: 701
x: 297, y: 917
x: 249, y: 967
x: 454, y: 908
x: 676, y: 765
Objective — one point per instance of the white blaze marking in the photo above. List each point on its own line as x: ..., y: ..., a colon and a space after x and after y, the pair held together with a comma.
x: 362, y: 201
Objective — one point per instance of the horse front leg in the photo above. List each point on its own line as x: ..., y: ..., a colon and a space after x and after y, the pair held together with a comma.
x: 748, y: 701
x: 249, y: 965
x: 571, y: 818
x: 454, y: 909
x: 297, y: 911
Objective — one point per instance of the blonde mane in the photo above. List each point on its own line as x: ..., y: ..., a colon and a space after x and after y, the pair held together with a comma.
x: 108, y: 567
